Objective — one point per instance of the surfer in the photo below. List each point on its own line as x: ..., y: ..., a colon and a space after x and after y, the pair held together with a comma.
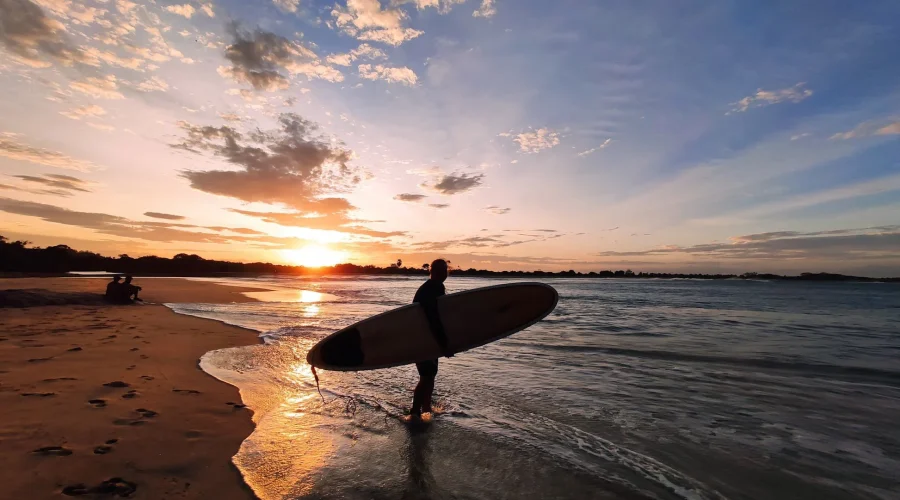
x: 427, y: 295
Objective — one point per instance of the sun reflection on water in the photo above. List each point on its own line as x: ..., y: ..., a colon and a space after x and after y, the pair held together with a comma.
x: 309, y: 296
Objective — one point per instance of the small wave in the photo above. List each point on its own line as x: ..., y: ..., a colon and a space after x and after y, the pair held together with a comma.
x: 199, y: 311
x: 809, y: 369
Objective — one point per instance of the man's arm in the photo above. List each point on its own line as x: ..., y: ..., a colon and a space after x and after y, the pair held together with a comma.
x: 437, y: 328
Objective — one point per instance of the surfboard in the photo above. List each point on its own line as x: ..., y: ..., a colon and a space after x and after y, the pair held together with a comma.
x: 471, y: 318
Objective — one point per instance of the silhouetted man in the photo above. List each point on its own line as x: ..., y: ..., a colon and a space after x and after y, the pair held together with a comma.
x: 130, y: 291
x: 114, y: 289
x: 427, y: 295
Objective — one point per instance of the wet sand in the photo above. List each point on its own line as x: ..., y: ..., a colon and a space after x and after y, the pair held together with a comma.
x: 108, y: 399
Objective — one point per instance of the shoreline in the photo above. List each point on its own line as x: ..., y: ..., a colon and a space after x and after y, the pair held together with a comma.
x: 97, y: 396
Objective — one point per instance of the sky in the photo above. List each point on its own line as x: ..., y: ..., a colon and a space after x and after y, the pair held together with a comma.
x: 689, y: 136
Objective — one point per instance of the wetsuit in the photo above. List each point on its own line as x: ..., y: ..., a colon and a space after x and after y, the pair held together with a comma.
x: 427, y: 295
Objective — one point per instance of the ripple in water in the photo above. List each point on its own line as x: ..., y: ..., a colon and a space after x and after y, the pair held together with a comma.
x: 631, y: 389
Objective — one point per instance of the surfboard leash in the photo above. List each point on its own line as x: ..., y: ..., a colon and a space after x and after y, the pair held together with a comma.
x: 316, y: 376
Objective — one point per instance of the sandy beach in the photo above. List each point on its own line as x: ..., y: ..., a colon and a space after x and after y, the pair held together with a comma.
x: 106, y: 399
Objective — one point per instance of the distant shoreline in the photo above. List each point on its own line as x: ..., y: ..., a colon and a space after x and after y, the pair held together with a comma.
x: 805, y: 277
x: 18, y: 259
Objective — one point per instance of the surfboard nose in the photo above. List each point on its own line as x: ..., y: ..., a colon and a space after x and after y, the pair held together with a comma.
x: 344, y: 350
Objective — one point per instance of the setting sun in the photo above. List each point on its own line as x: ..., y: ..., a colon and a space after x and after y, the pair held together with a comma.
x: 313, y: 256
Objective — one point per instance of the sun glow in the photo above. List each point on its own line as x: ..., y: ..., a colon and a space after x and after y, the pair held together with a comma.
x: 313, y: 256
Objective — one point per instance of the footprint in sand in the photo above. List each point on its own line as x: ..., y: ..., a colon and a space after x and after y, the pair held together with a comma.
x: 117, y: 383
x: 39, y: 360
x: 97, y: 403
x: 39, y: 394
x: 147, y: 377
x: 75, y: 349
x: 60, y: 379
x: 236, y: 406
x: 144, y: 356
x: 129, y: 421
x: 102, y: 450
x: 131, y: 394
x: 134, y: 349
x: 186, y: 391
x: 56, y: 451
x: 146, y: 413
x: 132, y: 367
x: 112, y: 441
x: 115, y: 486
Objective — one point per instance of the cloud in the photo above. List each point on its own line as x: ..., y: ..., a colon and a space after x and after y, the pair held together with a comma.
x: 892, y: 129
x: 230, y: 117
x: 873, y: 242
x: 366, y: 20
x: 90, y: 111
x: 472, y: 242
x: 495, y: 241
x: 536, y: 140
x: 31, y: 37
x: 486, y: 10
x: 334, y: 218
x: 11, y: 148
x: 260, y: 57
x: 94, y: 56
x: 797, y: 137
x: 101, y: 126
x: 402, y: 75
x: 410, y: 197
x: 154, y: 84
x: 442, y: 6
x: 494, y: 209
x: 454, y: 183
x: 764, y: 98
x: 160, y: 215
x: 287, y: 5
x: 439, y: 205
x: 868, y: 128
x: 123, y: 227
x: 291, y: 166
x: 592, y: 150
x: 185, y: 10
x: 52, y: 184
x: 363, y: 51
x: 101, y: 88
x: 75, y: 12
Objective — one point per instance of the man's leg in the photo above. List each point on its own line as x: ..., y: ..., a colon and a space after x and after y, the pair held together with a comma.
x: 422, y: 394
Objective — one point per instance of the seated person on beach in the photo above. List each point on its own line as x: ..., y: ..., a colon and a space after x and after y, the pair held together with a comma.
x: 130, y: 292
x: 114, y: 289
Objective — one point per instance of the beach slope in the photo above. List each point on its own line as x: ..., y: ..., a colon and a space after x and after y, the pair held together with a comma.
x: 105, y: 399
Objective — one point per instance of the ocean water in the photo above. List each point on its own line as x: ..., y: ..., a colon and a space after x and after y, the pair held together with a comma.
x: 675, y: 389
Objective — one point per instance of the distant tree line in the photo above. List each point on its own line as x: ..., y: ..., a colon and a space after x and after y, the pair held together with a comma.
x: 21, y: 258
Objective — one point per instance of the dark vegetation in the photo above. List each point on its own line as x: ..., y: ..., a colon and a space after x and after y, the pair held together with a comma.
x: 19, y: 257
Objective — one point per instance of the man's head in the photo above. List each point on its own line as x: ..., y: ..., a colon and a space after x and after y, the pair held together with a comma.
x: 439, y: 270
x: 128, y: 279
x: 117, y: 278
